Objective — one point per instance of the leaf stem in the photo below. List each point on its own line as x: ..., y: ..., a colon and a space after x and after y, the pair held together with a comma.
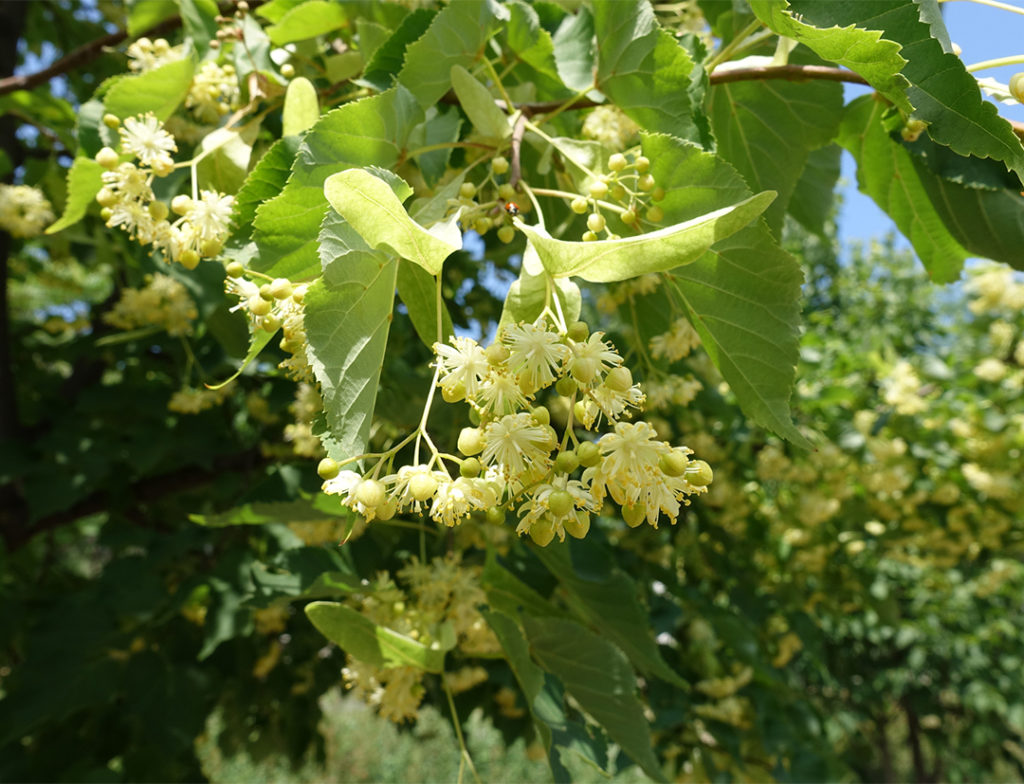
x: 733, y: 46
x: 994, y: 4
x: 464, y: 751
x: 1016, y: 59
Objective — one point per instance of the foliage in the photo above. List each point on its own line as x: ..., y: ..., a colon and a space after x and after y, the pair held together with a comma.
x: 367, y: 339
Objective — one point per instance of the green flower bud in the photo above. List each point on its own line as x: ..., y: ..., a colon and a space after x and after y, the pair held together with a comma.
x: 112, y: 121
x: 287, y: 70
x: 634, y: 515
x: 699, y: 473
x: 470, y: 468
x: 579, y: 205
x: 617, y: 191
x: 598, y: 190
x: 589, y: 236
x: 256, y: 304
x: 499, y: 164
x: 328, y: 468
x: 157, y: 210
x: 645, y: 182
x: 467, y: 190
x: 617, y: 162
x: 181, y: 204
x: 577, y: 525
x: 560, y: 502
x: 566, y: 386
x: 628, y: 217
x: 189, y: 259
x: 542, y: 532
x: 281, y: 288
x: 673, y: 463
x: 566, y: 462
x: 507, y: 193
x: 422, y: 487
x: 271, y: 323
x: 471, y: 441
x: 370, y: 493
x: 655, y: 214
x: 235, y: 269
x: 474, y: 417
x: 266, y: 293
x: 619, y: 379
x: 506, y: 234
x: 496, y: 515
x: 541, y: 415
x: 658, y: 193
x: 579, y: 331
x: 588, y: 453
x: 107, y: 158
x: 642, y: 164
x: 595, y: 222
x: 453, y: 394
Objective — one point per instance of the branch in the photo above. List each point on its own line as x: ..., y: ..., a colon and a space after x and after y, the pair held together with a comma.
x: 86, y: 53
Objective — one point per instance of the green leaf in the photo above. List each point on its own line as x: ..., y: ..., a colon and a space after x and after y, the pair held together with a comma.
x: 533, y: 45
x: 813, y: 196
x: 275, y: 10
x: 144, y: 14
x: 478, y: 103
x: 510, y: 595
x: 529, y: 293
x: 260, y: 339
x: 457, y: 36
x: 342, y: 67
x: 266, y: 512
x: 160, y: 91
x: 375, y: 645
x: 942, y: 92
x: 608, y: 601
x: 198, y: 18
x: 386, y: 61
x: 369, y: 132
x: 598, y: 675
x: 859, y: 49
x: 416, y: 288
x: 226, y: 162
x: 439, y: 128
x: 347, y: 318
x: 743, y: 296
x: 657, y: 251
x: 561, y: 736
x: 575, y: 53
x: 886, y: 172
x: 85, y: 178
x: 308, y: 20
x: 301, y: 107
x: 643, y: 69
x: 370, y: 206
x: 766, y: 129
x: 266, y: 180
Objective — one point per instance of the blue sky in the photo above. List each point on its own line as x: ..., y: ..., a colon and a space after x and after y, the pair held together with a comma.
x: 983, y: 33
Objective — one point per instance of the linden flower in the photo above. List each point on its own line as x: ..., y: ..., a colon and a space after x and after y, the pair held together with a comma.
x: 145, y: 139
x: 592, y: 357
x: 210, y: 214
x: 24, y: 210
x: 500, y: 394
x: 517, y: 443
x: 455, y: 500
x: 134, y: 218
x: 412, y: 481
x: 130, y: 181
x: 539, y: 505
x: 535, y: 354
x: 612, y: 402
x: 677, y: 343
x: 463, y: 364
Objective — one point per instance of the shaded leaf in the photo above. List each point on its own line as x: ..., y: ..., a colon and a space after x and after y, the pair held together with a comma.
x: 529, y: 293
x: 308, y: 20
x: 478, y: 103
x: 85, y: 178
x: 416, y: 288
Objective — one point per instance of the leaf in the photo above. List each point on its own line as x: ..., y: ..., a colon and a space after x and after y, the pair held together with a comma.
x: 275, y: 10
x: 886, y: 173
x: 743, y: 296
x: 369, y: 205
x: 144, y: 14
x: 813, y: 196
x: 226, y: 162
x: 308, y: 20
x: 266, y: 180
x: 859, y: 49
x: 439, y: 128
x: 575, y: 52
x: 942, y: 92
x: 528, y: 294
x: 85, y: 178
x: 301, y: 107
x: 560, y: 735
x: 598, y: 675
x: 198, y: 18
x: 260, y: 339
x: 347, y: 318
x: 160, y: 91
x: 766, y: 129
x: 657, y: 251
x: 608, y: 601
x: 643, y: 69
x: 375, y: 645
x: 478, y: 103
x: 533, y: 45
x: 342, y: 67
x: 510, y: 595
x: 416, y: 288
x: 265, y: 512
x: 372, y: 131
x: 385, y: 63
x: 457, y: 36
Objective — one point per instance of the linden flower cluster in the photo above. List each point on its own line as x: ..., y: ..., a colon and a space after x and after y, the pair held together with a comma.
x: 129, y: 203
x: 514, y: 458
x: 273, y: 305
x: 163, y: 302
x: 214, y: 92
x: 145, y: 55
x: 24, y: 210
x: 440, y: 593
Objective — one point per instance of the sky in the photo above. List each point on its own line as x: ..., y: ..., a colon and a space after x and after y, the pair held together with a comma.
x: 983, y: 33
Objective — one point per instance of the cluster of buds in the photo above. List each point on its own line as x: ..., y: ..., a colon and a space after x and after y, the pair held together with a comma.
x: 273, y: 305
x: 128, y: 202
x: 629, y: 184
x: 491, y: 203
x: 515, y: 459
x: 214, y: 92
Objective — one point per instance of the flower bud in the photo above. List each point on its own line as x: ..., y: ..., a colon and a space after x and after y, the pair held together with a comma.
x: 699, y: 473
x: 453, y: 394
x: 422, y: 487
x: 655, y: 214
x: 106, y: 197
x: 328, y: 468
x: 470, y: 468
x: 112, y: 121
x: 1017, y: 86
x: 578, y: 331
x: 506, y: 234
x: 157, y: 210
x: 617, y: 162
x: 280, y: 288
x: 467, y: 190
x: 619, y: 379
x: 189, y: 259
x: 588, y: 453
x: 471, y: 441
x: 540, y: 415
x: 579, y: 205
x: 642, y: 164
x: 499, y: 164
x: 645, y: 182
x: 577, y: 525
x: 370, y: 493
x: 566, y: 462
x: 595, y: 222
x: 634, y: 515
x: 673, y: 463
x: 256, y: 304
x: 181, y: 204
x: 560, y: 503
x: 235, y: 269
x: 287, y: 70
x: 542, y: 531
x: 598, y: 190
x: 566, y: 386
x: 108, y: 158
x: 589, y: 236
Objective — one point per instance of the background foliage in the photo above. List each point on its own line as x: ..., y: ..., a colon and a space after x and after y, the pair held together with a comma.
x: 844, y: 601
